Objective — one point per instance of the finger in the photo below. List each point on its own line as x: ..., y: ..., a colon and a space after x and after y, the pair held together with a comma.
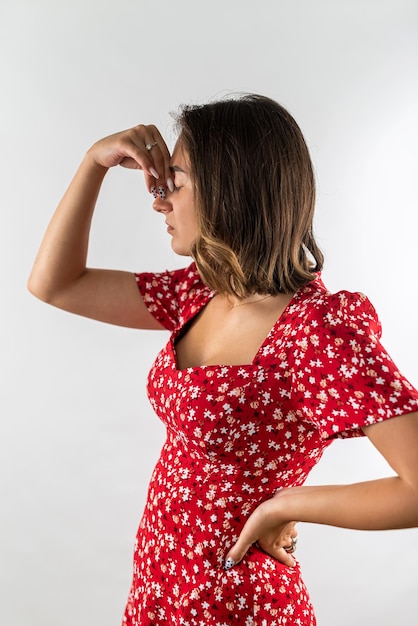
x: 234, y: 556
x: 240, y: 549
x: 285, y: 557
x: 152, y: 175
x: 133, y: 148
x: 237, y: 553
x: 278, y: 551
x: 153, y: 154
x: 135, y: 158
x: 156, y: 183
x: 159, y: 154
x: 156, y: 186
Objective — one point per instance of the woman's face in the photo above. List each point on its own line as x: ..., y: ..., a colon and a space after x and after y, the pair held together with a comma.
x: 178, y: 207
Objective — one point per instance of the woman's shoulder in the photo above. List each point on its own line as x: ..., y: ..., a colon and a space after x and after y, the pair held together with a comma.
x: 189, y: 283
x: 172, y: 296
x: 180, y: 282
x: 337, y: 311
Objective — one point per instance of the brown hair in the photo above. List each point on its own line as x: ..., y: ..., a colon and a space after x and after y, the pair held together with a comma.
x: 255, y: 196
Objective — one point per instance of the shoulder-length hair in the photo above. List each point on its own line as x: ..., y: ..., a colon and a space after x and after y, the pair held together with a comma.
x: 255, y: 196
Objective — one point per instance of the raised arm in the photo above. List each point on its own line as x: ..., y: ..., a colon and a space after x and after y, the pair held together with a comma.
x: 382, y: 504
x: 59, y: 275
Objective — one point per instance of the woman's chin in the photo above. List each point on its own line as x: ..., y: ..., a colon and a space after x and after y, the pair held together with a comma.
x: 179, y: 249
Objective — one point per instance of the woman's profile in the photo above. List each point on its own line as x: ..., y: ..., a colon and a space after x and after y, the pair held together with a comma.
x: 263, y: 369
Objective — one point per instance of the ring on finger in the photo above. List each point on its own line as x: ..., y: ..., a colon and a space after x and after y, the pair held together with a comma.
x: 290, y: 549
x: 149, y: 146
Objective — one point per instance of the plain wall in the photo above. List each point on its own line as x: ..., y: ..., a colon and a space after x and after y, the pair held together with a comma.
x: 78, y: 438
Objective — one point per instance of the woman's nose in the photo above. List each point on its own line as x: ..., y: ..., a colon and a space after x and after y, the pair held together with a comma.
x: 161, y: 206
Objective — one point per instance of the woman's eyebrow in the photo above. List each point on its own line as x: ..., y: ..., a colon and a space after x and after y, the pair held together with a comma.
x: 176, y: 168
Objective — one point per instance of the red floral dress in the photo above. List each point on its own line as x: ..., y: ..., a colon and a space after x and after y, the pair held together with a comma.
x: 235, y: 435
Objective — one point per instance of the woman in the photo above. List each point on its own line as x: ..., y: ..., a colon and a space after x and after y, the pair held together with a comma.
x: 264, y: 367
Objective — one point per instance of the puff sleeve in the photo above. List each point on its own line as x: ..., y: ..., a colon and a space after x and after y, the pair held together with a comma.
x: 343, y: 378
x: 170, y: 295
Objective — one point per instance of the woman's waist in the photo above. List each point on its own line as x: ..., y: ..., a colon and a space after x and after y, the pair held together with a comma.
x: 184, y: 474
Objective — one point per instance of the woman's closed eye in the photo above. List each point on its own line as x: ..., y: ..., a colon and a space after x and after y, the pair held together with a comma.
x: 177, y: 184
x: 178, y: 173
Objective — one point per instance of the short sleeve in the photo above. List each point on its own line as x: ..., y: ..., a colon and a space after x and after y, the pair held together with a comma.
x: 343, y: 379
x: 170, y: 295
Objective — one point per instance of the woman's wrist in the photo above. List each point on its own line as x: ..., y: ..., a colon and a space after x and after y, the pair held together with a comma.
x: 286, y: 503
x: 90, y: 162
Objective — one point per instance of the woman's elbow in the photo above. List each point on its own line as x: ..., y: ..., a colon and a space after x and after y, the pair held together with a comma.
x: 38, y: 287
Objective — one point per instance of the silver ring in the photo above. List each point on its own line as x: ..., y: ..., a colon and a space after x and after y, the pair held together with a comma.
x: 149, y: 146
x: 290, y: 549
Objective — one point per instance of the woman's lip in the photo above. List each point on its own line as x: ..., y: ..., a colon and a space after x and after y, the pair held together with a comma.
x: 169, y: 228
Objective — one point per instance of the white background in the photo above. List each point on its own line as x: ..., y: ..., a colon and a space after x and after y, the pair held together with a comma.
x: 78, y: 439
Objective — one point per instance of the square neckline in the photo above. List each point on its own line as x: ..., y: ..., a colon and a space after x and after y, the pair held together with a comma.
x: 177, y: 331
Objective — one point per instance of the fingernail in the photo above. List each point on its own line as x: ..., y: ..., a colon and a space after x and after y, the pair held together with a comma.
x: 154, y: 172
x: 161, y: 191
x: 154, y: 192
x: 170, y: 184
x: 229, y: 563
